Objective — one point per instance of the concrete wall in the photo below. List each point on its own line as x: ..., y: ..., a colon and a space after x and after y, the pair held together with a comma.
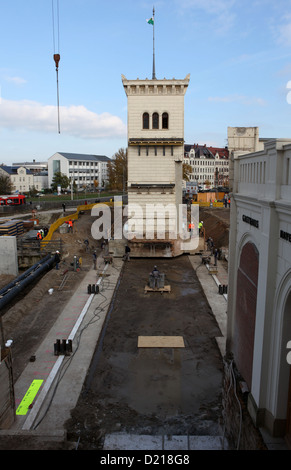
x: 8, y: 250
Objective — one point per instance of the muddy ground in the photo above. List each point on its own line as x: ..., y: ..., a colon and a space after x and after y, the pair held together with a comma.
x: 33, y: 313
x: 153, y: 390
x: 141, y: 391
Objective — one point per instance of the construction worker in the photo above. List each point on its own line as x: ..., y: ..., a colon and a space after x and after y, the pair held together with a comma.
x: 155, y: 274
x: 94, y: 259
x: 200, y: 226
x: 70, y: 225
x: 126, y: 253
x: 57, y: 259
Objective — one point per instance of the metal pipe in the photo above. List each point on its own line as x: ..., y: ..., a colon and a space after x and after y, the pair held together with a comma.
x: 22, y: 276
x: 39, y: 268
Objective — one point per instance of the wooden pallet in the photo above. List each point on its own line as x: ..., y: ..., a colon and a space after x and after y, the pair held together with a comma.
x: 157, y: 289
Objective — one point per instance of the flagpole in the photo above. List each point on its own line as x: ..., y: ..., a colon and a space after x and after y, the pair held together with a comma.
x: 154, y: 68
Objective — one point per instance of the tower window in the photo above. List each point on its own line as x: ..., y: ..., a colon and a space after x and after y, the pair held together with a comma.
x: 165, y: 121
x: 145, y: 121
x: 155, y: 121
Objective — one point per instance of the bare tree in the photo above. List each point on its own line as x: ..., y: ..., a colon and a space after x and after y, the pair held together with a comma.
x: 117, y: 170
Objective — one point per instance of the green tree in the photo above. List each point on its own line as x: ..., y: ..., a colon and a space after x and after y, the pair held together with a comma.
x: 117, y: 170
x: 61, y: 180
x: 5, y: 185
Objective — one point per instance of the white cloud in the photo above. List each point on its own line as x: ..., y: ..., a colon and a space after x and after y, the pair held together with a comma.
x: 284, y: 34
x: 76, y: 121
x: 15, y: 80
x: 220, y: 10
x: 246, y: 100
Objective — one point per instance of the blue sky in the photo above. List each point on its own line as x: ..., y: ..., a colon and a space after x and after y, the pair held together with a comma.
x: 238, y: 55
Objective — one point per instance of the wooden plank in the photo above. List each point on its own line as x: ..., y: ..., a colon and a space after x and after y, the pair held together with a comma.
x: 156, y: 289
x: 160, y: 342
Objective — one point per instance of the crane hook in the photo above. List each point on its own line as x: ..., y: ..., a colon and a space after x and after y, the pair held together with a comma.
x: 57, y: 58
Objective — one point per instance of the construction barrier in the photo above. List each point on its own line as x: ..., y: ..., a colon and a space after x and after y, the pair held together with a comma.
x: 209, y: 204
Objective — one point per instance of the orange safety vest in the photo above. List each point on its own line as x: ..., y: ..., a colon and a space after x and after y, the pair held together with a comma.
x: 38, y: 236
x: 70, y: 223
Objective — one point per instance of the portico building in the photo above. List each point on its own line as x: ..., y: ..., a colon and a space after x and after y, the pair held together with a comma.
x: 259, y: 293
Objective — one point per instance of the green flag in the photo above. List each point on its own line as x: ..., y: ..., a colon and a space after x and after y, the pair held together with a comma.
x: 150, y: 21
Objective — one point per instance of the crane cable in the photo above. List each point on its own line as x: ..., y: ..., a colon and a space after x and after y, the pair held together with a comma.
x: 57, y: 55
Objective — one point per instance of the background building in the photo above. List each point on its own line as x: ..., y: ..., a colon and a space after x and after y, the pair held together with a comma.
x: 155, y: 156
x: 20, y: 177
x: 259, y: 293
x: 81, y: 168
x: 210, y: 165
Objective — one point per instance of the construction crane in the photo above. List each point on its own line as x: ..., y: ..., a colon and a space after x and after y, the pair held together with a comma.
x: 57, y: 56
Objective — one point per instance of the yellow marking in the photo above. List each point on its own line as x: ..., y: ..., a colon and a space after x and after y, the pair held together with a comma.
x: 29, y: 397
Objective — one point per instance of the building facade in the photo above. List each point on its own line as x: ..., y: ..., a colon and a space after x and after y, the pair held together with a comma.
x: 21, y: 178
x: 155, y: 156
x: 210, y: 165
x: 259, y: 293
x: 86, y: 171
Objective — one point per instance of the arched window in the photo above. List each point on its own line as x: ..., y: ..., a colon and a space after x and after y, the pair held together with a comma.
x: 145, y: 121
x: 155, y: 121
x: 165, y: 121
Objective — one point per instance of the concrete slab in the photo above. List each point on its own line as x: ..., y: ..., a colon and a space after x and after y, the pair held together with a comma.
x: 205, y: 443
x: 123, y: 441
x: 217, y: 302
x: 176, y: 443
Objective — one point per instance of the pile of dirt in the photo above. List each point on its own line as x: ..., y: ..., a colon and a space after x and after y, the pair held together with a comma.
x: 216, y: 225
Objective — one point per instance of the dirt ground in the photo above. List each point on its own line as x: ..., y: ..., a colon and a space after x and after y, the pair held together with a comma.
x: 34, y: 312
x: 216, y: 225
x: 156, y: 390
x: 130, y: 389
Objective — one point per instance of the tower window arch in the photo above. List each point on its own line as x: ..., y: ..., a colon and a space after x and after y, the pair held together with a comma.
x: 155, y: 121
x: 165, y: 121
x: 145, y: 121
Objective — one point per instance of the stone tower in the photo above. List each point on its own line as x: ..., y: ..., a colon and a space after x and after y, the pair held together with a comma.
x: 155, y: 155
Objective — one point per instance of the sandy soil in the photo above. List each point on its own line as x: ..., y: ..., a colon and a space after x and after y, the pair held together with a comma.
x: 216, y: 225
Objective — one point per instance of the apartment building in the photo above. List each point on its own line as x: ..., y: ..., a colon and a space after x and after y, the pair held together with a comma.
x: 85, y: 170
x: 210, y: 165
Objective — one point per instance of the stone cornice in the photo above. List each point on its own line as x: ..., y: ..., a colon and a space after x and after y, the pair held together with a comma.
x: 155, y: 87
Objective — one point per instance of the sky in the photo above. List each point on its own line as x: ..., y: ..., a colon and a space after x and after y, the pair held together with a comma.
x: 238, y: 55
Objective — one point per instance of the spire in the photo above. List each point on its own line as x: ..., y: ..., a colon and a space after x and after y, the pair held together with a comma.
x: 152, y: 21
x: 154, y: 67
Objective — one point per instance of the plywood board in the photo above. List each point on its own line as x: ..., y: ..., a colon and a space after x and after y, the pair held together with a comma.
x: 157, y: 289
x: 160, y: 342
